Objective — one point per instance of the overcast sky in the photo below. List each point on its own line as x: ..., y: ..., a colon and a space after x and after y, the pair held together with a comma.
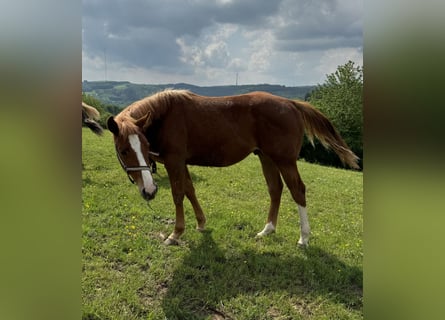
x: 207, y: 42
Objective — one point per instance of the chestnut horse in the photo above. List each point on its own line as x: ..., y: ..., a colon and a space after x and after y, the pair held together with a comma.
x: 179, y: 128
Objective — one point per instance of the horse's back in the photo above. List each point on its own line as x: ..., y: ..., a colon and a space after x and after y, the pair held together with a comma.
x: 224, y: 130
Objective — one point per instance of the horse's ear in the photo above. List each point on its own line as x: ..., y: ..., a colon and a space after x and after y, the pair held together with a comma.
x: 144, y: 122
x: 112, y: 126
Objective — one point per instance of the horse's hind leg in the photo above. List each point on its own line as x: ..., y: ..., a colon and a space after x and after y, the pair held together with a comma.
x: 190, y: 194
x: 298, y: 190
x: 275, y: 188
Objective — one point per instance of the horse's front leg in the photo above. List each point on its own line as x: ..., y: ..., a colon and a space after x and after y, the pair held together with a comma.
x: 173, y: 238
x: 190, y: 194
x: 177, y: 183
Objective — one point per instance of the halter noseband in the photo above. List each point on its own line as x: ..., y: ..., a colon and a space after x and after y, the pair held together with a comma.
x: 129, y: 169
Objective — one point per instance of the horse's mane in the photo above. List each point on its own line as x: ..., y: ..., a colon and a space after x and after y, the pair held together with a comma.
x: 155, y: 105
x: 89, y: 111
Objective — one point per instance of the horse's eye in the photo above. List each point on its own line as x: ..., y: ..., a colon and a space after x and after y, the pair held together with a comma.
x: 124, y: 152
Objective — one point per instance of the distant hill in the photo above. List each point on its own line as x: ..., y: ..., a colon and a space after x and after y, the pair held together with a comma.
x: 123, y: 93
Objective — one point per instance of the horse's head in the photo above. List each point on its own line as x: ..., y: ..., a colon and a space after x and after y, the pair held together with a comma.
x: 132, y: 150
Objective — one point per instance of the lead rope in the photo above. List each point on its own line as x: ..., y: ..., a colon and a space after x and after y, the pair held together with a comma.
x: 151, y: 208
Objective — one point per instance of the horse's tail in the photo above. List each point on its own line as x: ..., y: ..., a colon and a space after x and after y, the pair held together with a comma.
x: 316, y: 124
x: 90, y: 113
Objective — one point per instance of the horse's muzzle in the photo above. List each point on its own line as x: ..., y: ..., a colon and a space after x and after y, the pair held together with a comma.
x: 147, y: 195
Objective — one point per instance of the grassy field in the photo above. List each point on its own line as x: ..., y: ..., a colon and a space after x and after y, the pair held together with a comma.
x: 224, y: 272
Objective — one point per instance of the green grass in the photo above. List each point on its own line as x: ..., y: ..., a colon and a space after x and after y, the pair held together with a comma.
x: 224, y: 272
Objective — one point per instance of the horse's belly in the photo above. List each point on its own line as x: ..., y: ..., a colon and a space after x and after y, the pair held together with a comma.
x: 218, y: 158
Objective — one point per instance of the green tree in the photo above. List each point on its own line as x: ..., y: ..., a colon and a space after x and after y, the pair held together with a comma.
x: 340, y: 98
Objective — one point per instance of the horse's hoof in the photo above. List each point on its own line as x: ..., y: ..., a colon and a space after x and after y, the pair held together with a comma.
x: 171, y: 242
x: 268, y: 229
x: 200, y: 229
x: 302, y: 244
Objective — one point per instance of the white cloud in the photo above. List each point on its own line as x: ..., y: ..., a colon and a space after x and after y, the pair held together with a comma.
x: 332, y: 58
x: 291, y: 42
x: 260, y: 50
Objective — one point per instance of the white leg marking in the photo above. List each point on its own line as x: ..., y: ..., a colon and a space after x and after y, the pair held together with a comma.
x: 268, y: 229
x: 304, y: 226
x: 146, y: 175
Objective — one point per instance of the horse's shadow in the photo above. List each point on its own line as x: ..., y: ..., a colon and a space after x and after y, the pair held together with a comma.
x: 208, y: 276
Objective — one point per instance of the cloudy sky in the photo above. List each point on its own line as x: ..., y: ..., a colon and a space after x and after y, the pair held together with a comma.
x: 209, y: 42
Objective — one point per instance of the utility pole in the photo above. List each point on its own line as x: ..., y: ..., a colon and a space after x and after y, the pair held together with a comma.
x: 105, y: 55
x: 236, y: 83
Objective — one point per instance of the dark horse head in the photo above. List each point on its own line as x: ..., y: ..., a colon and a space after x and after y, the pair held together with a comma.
x: 132, y: 150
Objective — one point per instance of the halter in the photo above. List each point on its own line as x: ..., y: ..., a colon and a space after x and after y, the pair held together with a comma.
x: 129, y: 169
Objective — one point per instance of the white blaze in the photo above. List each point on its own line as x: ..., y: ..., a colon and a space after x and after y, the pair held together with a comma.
x: 146, y: 175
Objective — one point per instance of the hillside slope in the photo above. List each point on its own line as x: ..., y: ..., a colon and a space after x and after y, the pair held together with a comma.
x: 122, y: 93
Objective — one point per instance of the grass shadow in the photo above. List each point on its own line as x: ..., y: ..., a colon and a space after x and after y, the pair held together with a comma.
x: 208, y: 275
